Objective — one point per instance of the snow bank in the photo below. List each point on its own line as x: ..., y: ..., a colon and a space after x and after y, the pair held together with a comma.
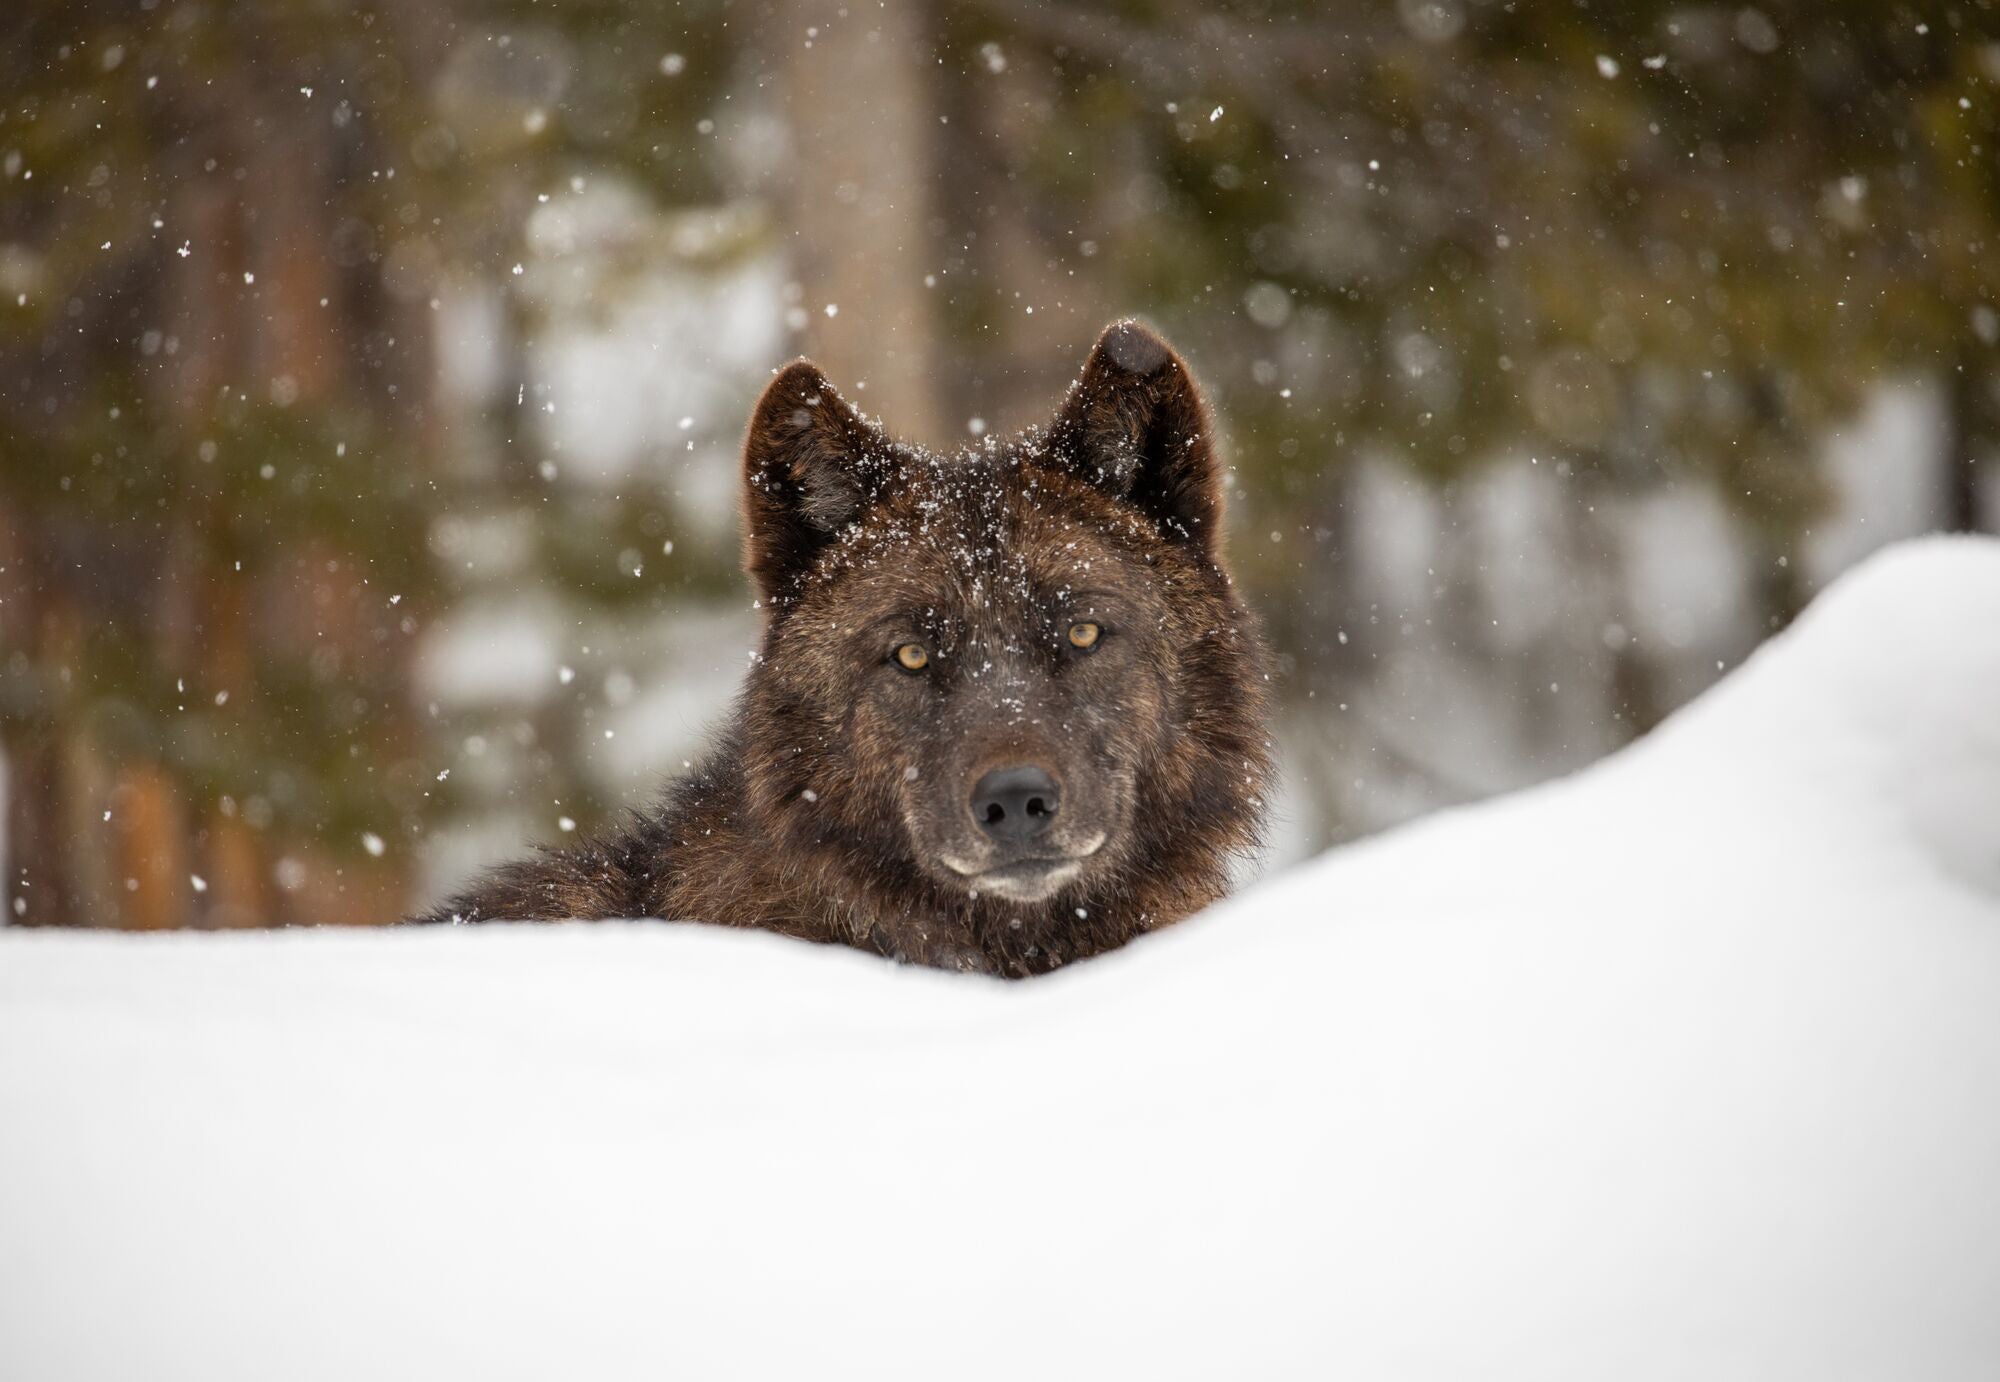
x: 1688, y: 1066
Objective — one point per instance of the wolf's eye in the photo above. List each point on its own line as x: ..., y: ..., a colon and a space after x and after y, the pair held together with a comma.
x: 1084, y: 635
x: 913, y: 657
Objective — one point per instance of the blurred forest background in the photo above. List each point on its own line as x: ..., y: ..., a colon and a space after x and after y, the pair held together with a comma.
x: 371, y: 374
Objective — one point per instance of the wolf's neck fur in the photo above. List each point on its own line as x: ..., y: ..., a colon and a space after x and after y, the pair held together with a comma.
x: 703, y: 854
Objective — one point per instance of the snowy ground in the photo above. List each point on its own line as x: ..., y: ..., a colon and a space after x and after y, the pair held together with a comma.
x: 1688, y: 1066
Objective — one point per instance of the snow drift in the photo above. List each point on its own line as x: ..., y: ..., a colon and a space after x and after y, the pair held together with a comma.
x: 1688, y: 1066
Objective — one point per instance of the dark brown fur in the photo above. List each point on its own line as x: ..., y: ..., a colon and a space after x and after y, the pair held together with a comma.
x: 836, y: 805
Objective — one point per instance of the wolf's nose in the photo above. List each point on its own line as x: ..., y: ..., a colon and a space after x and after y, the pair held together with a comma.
x: 1015, y: 804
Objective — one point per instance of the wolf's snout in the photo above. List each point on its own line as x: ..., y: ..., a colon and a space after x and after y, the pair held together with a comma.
x: 1015, y: 805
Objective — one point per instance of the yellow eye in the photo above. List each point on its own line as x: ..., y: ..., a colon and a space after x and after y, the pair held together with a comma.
x: 1084, y: 635
x: 913, y: 657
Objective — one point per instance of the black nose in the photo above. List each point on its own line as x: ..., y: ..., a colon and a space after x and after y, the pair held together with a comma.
x: 1016, y: 804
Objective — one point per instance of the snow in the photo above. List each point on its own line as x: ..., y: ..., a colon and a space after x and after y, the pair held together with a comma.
x: 1685, y: 1066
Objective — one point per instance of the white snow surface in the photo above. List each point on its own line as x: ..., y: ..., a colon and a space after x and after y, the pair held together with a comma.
x: 1687, y: 1066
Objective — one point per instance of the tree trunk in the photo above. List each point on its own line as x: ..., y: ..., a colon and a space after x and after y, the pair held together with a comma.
x: 1961, y: 458
x: 38, y: 891
x: 863, y: 115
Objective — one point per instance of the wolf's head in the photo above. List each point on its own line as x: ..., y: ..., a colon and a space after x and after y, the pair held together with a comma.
x: 1012, y: 684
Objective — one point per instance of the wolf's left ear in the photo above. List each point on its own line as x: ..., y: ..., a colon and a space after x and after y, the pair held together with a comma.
x: 1135, y: 426
x: 810, y: 466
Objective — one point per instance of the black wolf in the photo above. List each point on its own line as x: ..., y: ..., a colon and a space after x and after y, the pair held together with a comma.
x: 1008, y: 710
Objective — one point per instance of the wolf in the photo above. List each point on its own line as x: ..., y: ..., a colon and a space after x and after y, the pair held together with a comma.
x: 1008, y: 710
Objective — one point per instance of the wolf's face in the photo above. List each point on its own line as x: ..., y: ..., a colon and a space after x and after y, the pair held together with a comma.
x: 993, y: 672
x: 1003, y: 677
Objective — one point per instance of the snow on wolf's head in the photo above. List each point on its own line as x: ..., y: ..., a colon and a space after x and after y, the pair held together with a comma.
x: 1010, y: 683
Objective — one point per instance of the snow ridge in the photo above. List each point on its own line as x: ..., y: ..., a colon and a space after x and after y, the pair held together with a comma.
x: 1682, y: 1067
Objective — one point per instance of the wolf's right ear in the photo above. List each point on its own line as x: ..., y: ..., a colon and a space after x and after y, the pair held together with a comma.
x: 810, y: 465
x: 1135, y: 426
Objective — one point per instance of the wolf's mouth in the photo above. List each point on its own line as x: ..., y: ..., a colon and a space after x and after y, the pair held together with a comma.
x: 1025, y: 880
